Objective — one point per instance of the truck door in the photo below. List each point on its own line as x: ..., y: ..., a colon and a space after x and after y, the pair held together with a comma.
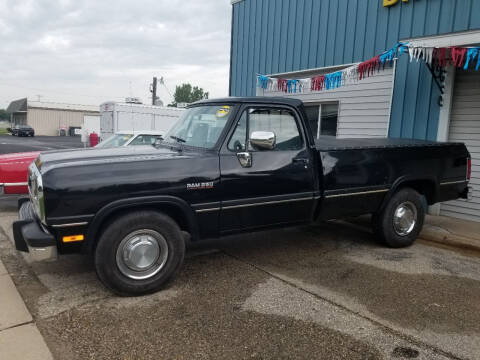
x: 265, y: 184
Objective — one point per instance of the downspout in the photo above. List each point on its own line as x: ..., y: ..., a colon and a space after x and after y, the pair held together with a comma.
x: 231, y: 52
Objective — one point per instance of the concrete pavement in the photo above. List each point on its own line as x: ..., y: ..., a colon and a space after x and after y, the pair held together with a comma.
x: 326, y: 291
x: 445, y: 231
x: 19, y: 337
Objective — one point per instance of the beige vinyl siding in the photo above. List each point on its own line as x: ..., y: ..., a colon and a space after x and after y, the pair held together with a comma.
x: 465, y: 127
x: 364, y: 107
x: 48, y: 121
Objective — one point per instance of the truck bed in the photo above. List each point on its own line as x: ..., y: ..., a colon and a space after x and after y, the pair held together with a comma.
x: 330, y: 143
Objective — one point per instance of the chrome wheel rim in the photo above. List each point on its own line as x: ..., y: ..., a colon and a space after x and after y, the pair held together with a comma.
x: 404, y: 218
x: 142, y: 254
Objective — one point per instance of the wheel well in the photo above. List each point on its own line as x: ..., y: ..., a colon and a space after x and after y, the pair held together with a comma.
x: 171, y: 210
x: 423, y: 187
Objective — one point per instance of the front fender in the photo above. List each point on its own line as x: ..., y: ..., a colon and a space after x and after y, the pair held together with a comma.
x: 151, y: 201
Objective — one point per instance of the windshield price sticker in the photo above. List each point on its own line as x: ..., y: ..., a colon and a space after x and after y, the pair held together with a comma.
x: 223, y: 111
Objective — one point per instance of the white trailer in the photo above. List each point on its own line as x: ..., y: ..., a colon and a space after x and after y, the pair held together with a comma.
x: 117, y: 117
x: 91, y: 123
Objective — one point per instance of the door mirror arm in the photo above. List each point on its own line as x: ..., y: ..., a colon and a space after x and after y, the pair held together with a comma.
x: 245, y: 159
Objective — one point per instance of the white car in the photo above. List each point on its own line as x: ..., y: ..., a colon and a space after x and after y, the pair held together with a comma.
x: 128, y: 138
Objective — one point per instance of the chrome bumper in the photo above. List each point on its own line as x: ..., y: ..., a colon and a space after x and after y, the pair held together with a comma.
x: 30, y: 236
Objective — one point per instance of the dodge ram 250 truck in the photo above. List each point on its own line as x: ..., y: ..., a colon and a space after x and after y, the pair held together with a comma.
x: 228, y: 166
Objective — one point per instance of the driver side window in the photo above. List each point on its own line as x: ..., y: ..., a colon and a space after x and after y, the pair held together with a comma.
x: 279, y: 121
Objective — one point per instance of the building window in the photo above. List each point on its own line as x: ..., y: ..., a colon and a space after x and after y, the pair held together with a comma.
x: 329, y: 119
x: 323, y: 119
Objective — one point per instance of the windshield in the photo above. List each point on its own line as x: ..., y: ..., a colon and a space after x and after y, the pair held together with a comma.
x: 200, y: 126
x: 115, y: 140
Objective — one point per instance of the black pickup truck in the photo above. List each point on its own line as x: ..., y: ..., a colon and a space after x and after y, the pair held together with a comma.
x: 228, y: 166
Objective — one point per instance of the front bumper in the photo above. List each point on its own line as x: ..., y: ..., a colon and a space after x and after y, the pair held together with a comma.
x: 30, y: 236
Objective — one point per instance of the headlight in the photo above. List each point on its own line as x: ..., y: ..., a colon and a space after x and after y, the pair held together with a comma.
x: 35, y: 189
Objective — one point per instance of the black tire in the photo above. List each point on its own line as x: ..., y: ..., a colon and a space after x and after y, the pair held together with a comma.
x: 106, y: 264
x: 383, y: 221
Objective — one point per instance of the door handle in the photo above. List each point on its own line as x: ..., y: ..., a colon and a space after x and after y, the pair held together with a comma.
x: 302, y: 160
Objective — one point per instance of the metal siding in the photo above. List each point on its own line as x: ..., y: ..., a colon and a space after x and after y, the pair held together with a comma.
x: 252, y: 36
x: 474, y: 17
x: 360, y: 31
x: 419, y: 14
x: 447, y: 16
x: 462, y: 15
x: 364, y: 107
x: 47, y: 121
x: 312, y: 49
x: 432, y: 20
x: 307, y: 32
x: 313, y: 34
x: 264, y: 38
x: 381, y: 30
x: 339, y: 52
x: 350, y: 31
x: 464, y: 127
x: 297, y: 44
x: 323, y: 33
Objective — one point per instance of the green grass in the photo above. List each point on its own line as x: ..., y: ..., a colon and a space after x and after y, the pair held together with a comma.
x: 3, y: 131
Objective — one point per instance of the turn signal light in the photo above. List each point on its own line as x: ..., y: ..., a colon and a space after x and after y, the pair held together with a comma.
x: 72, y: 238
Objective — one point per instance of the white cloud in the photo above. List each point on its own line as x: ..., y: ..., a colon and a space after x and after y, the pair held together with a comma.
x: 54, y: 42
x: 66, y: 50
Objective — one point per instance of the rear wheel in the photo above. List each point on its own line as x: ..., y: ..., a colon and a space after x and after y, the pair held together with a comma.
x: 401, y: 220
x: 139, y: 252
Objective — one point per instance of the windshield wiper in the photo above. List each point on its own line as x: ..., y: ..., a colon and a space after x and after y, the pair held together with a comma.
x: 177, y: 139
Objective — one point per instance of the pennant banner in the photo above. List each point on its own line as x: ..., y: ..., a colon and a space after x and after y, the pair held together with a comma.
x: 461, y: 57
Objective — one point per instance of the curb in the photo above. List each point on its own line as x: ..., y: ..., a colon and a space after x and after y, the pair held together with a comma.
x: 430, y: 232
x: 19, y: 336
x: 444, y: 237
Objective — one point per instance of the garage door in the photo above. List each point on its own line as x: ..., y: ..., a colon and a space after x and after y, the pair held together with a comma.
x: 465, y: 127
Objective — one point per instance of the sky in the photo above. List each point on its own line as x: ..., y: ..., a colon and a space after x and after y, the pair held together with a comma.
x: 92, y: 51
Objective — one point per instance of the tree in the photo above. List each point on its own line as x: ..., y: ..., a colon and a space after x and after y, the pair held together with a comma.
x: 4, y: 115
x: 185, y: 93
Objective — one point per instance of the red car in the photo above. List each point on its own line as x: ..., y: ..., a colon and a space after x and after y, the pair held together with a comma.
x: 14, y: 172
x: 14, y: 167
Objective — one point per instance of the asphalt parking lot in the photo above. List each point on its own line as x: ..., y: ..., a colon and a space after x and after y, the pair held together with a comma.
x: 14, y: 144
x: 326, y: 291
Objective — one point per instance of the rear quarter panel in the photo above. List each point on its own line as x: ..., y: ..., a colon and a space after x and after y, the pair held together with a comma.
x: 356, y: 181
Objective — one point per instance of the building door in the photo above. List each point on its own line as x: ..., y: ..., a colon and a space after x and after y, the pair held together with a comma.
x: 465, y: 127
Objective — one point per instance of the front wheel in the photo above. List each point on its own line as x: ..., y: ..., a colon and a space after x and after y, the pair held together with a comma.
x: 139, y: 252
x: 401, y: 220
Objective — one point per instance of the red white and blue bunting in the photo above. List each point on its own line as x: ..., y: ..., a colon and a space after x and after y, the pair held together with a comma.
x: 460, y: 57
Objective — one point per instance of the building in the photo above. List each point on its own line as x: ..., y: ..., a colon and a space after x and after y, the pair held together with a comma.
x: 305, y: 38
x: 46, y: 118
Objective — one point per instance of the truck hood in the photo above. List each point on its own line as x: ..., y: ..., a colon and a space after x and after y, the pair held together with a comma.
x: 79, y: 157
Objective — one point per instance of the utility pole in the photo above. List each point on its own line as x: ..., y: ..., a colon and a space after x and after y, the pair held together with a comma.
x: 153, y: 90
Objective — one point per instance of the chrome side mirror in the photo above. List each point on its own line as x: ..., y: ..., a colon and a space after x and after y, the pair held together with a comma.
x: 245, y: 159
x: 263, y: 140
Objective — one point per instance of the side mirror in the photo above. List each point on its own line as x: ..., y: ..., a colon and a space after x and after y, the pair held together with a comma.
x: 158, y: 140
x: 263, y: 140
